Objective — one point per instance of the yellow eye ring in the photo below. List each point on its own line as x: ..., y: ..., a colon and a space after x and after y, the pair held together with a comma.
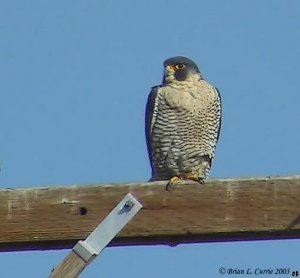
x: 180, y: 66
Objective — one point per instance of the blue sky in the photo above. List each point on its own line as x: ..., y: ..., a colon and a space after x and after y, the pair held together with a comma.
x: 75, y: 76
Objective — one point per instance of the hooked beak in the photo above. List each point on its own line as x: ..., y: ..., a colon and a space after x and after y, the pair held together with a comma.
x: 169, y: 70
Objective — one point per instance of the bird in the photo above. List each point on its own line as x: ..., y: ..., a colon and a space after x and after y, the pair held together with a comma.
x: 182, y: 123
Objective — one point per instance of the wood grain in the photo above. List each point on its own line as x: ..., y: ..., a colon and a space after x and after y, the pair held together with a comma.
x: 220, y: 210
x: 70, y: 267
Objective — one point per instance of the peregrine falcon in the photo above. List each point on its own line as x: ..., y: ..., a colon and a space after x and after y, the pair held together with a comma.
x: 183, y: 120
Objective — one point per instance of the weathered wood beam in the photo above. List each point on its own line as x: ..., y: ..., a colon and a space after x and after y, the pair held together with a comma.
x: 220, y: 210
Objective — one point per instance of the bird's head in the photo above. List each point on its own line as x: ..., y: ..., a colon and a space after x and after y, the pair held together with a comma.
x: 179, y: 68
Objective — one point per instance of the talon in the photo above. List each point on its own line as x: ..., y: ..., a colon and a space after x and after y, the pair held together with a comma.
x: 196, y: 178
x: 172, y: 181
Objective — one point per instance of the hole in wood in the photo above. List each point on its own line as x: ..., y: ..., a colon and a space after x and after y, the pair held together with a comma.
x: 83, y: 211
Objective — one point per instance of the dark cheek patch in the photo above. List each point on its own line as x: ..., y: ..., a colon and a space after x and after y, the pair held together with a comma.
x: 181, y: 75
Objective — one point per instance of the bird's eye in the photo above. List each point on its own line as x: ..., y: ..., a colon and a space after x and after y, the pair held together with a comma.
x: 180, y: 66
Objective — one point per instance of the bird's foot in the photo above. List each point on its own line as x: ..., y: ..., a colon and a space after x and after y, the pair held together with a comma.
x: 172, y: 181
x: 195, y: 178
